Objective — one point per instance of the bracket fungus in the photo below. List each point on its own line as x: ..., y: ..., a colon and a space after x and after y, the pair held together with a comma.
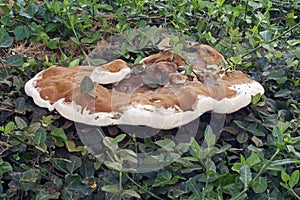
x: 166, y: 90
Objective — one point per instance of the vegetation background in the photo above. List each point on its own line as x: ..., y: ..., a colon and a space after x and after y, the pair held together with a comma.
x: 257, y: 155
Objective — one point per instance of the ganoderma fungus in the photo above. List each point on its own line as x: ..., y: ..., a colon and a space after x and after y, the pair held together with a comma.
x: 157, y: 95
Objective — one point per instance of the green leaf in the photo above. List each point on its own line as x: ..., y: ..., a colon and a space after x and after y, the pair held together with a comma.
x: 59, y: 136
x: 43, y: 195
x: 105, y: 6
x: 127, y: 154
x: 193, y: 185
x: 243, y: 159
x: 283, y: 93
x: 210, y: 166
x: 188, y: 69
x: 60, y: 164
x: 97, y: 164
x: 97, y: 62
x: 74, y: 188
x: 51, y: 27
x: 255, y: 99
x: 260, y: 185
x: 58, y: 133
x: 21, y: 32
x: 294, y: 179
x: 75, y: 40
x: 25, y: 180
x: 6, y: 42
x: 75, y: 62
x: 283, y: 126
x: 73, y: 19
x: 4, y: 167
x: 291, y: 149
x: 96, y: 36
x: 131, y: 193
x: 174, y: 39
x: 210, y: 137
x: 34, y: 127
x: 86, y: 85
x: 30, y: 12
x: 278, y: 76
x: 284, y: 176
x: 266, y: 35
x: 293, y: 42
x: 15, y: 61
x: 143, y: 42
x: 237, y: 60
x: 242, y: 137
x: 20, y: 122
x: 9, y: 127
x: 240, y: 124
x: 21, y: 104
x: 195, y: 147
x: 178, y: 48
x: 131, y: 48
x: 40, y: 136
x: 166, y: 144
x: 52, y: 44
x: 114, y: 189
x: 281, y: 162
x: 162, y: 178
x: 245, y: 175
x: 118, y: 139
x: 18, y: 83
x: 182, y: 147
x: 278, y: 135
x: 114, y: 165
x: 72, y: 147
x: 237, y: 166
x: 5, y: 8
x: 285, y: 185
x: 74, y: 164
x: 253, y: 159
x: 87, y: 169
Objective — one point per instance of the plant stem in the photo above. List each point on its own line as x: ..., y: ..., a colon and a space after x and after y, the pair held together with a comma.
x: 120, y: 181
x: 265, y: 165
x: 135, y: 183
x: 75, y: 33
x: 246, y: 10
x: 294, y: 193
x: 275, y: 38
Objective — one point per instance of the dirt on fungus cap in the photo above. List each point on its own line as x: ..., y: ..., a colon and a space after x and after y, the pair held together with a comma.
x: 157, y: 95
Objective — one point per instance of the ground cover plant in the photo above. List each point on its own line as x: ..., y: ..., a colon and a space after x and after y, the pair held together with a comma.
x: 256, y: 155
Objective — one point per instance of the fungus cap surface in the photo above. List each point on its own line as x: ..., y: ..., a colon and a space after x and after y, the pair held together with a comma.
x: 157, y: 95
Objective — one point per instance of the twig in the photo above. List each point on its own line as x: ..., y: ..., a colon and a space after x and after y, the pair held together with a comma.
x: 12, y: 110
x: 4, y: 146
x: 275, y: 38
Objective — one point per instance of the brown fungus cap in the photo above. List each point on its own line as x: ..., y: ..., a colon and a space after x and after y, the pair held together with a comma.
x: 157, y: 96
